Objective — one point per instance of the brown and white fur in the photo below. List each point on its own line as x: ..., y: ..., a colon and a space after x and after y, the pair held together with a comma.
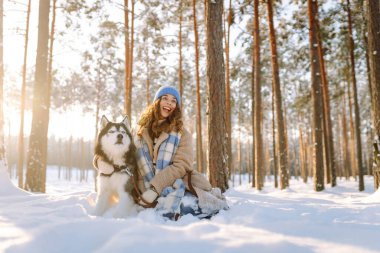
x: 115, y: 159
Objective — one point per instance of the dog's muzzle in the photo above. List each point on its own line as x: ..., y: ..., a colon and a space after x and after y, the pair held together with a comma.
x: 119, y: 139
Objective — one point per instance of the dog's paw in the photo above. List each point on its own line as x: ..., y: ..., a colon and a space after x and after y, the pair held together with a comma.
x: 99, y: 209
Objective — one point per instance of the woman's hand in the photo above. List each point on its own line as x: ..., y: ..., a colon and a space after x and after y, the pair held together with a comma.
x: 149, y: 196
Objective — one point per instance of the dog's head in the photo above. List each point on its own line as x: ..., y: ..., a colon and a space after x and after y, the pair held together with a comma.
x: 114, y: 139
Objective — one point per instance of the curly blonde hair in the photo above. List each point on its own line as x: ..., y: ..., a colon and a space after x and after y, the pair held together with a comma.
x: 150, y: 118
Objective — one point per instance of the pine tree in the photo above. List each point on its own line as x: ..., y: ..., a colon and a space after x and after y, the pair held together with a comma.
x: 20, y: 161
x: 328, y: 144
x: 359, y: 163
x: 198, y: 92
x: 230, y: 20
x: 127, y: 101
x: 259, y: 170
x: 37, y: 153
x: 374, y: 59
x: 217, y: 160
x: 277, y: 94
x: 316, y: 93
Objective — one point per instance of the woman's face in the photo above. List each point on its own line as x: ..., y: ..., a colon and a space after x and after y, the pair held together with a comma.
x: 168, y: 103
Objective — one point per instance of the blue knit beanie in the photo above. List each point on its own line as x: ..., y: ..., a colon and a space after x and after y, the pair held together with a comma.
x: 168, y: 90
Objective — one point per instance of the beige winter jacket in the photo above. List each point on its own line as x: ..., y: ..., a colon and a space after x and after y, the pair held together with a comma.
x: 182, y: 161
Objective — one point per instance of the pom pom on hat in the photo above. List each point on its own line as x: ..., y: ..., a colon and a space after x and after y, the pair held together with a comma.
x: 168, y: 90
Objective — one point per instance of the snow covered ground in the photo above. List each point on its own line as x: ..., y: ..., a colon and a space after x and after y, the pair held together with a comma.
x: 297, y: 219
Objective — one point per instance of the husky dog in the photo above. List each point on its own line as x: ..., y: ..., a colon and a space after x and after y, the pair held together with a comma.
x: 115, y: 159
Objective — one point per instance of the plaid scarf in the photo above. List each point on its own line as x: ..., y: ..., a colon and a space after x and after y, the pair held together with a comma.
x: 171, y: 196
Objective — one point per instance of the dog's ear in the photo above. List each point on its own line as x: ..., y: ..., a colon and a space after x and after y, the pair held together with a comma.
x: 103, y: 122
x: 126, y: 123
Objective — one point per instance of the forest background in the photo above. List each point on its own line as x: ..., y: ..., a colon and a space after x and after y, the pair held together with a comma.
x: 100, y: 67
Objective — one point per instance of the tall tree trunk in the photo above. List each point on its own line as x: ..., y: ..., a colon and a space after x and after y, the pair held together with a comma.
x: 180, y: 68
x: 274, y: 139
x: 21, y: 153
x: 51, y: 46
x: 217, y: 165
x: 286, y: 140
x: 3, y: 161
x: 130, y: 68
x: 316, y: 97
x: 37, y: 155
x: 250, y: 161
x: 359, y: 163
x: 328, y: 138
x: 346, y: 153
x: 365, y: 15
x: 97, y: 108
x: 199, y: 117
x: 257, y: 83
x: 351, y: 122
x: 310, y: 155
x: 128, y: 95
x: 364, y: 25
x: 339, y: 150
x: 302, y: 155
x: 278, y: 98
x: 253, y: 117
x: 97, y: 117
x: 228, y: 89
x: 50, y: 75
x: 374, y: 60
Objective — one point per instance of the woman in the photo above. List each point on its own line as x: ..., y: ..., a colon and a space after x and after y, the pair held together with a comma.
x: 165, y: 157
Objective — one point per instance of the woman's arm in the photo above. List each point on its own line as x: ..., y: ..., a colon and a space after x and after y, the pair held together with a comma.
x: 181, y: 164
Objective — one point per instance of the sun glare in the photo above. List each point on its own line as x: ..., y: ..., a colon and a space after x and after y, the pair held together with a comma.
x: 73, y: 124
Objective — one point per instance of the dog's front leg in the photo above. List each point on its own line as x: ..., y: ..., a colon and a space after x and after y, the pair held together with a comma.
x: 102, y: 202
x: 125, y: 207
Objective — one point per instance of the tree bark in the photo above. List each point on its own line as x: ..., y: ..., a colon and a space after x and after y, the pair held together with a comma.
x: 49, y: 78
x: 257, y: 83
x: 303, y: 165
x: 346, y: 153
x: 21, y: 153
x: 370, y: 138
x: 199, y: 117
x: 217, y: 163
x: 228, y: 89
x: 37, y: 155
x: 374, y: 60
x: 130, y: 68
x: 278, y: 98
x: 274, y: 140
x: 253, y: 116
x: 128, y: 95
x: 316, y: 93
x: 359, y: 163
x: 328, y: 138
x: 351, y: 124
